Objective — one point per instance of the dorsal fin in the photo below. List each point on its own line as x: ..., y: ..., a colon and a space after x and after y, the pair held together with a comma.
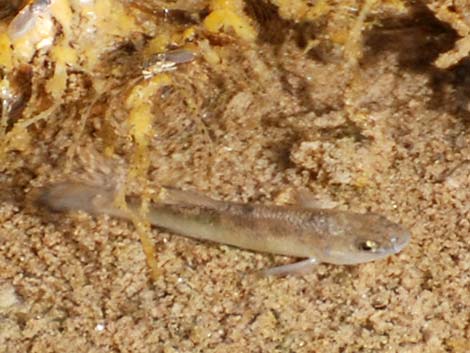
x: 173, y: 196
x: 306, y: 199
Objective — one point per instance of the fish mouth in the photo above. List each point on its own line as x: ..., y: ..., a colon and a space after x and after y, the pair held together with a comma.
x: 400, y: 242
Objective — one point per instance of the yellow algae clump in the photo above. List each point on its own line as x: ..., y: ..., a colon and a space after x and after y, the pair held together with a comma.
x: 62, y: 12
x: 6, y: 64
x: 140, y: 120
x: 353, y: 46
x: 453, y: 15
x: 157, y: 44
x: 189, y: 34
x: 399, y: 5
x: 141, y: 116
x: 300, y: 10
x: 112, y: 18
x: 209, y: 53
x: 5, y: 49
x: 63, y: 55
x: 229, y: 14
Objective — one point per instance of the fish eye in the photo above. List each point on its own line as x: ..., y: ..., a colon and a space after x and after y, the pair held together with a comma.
x: 368, y: 245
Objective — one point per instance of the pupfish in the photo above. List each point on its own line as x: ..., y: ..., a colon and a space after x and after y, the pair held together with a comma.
x: 319, y: 235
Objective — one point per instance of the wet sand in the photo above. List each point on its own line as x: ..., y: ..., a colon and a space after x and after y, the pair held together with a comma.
x: 267, y: 121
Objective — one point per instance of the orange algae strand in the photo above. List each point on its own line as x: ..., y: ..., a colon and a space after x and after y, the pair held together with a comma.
x: 140, y: 119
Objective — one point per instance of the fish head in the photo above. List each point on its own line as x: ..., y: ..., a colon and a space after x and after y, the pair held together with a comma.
x: 357, y: 238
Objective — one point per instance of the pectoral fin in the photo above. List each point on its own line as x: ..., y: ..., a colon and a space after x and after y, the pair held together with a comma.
x: 297, y: 268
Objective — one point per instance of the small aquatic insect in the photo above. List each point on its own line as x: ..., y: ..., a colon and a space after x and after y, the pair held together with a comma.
x: 168, y: 61
x: 320, y: 235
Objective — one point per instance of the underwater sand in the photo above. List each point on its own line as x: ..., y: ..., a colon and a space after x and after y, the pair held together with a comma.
x: 395, y: 141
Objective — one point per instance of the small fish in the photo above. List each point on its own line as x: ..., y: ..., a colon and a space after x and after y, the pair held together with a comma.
x: 320, y: 235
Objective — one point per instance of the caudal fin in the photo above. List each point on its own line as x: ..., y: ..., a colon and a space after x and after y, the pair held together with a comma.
x: 69, y: 196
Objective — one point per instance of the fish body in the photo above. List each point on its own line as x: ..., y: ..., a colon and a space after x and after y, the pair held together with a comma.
x: 321, y: 235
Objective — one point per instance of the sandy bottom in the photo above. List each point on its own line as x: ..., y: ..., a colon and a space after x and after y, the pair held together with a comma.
x: 396, y: 141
